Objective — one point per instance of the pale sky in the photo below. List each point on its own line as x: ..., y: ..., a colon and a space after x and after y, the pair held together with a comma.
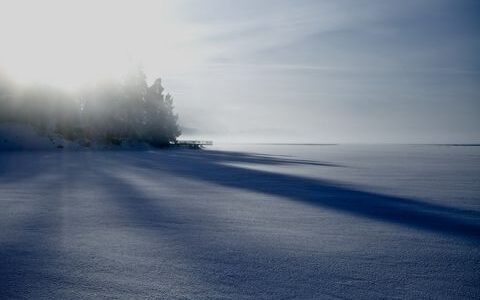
x: 270, y: 71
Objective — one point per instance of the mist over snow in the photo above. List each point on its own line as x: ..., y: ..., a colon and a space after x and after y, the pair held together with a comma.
x: 282, y: 71
x: 240, y: 149
x: 334, y: 71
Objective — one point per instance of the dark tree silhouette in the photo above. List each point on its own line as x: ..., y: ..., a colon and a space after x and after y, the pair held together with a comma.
x: 110, y: 112
x: 160, y: 123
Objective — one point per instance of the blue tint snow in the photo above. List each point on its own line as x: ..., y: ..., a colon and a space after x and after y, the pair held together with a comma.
x: 242, y: 222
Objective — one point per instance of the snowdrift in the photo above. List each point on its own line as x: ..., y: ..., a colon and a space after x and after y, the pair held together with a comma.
x: 22, y: 137
x: 14, y: 137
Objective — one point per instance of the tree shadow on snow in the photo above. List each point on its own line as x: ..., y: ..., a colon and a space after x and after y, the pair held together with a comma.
x: 24, y: 263
x: 213, y: 167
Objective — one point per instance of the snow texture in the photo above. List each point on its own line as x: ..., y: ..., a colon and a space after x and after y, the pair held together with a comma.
x: 356, y: 222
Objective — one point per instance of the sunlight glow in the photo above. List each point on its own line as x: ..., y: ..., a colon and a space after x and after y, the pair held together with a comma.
x: 68, y: 43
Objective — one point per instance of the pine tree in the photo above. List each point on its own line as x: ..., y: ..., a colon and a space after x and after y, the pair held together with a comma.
x: 161, y: 122
x: 110, y: 111
x: 135, y: 89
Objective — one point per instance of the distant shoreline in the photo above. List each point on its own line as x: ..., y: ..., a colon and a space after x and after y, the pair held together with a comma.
x: 293, y: 144
x: 338, y: 144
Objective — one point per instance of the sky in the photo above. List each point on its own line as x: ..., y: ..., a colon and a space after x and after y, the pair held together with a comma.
x: 357, y: 71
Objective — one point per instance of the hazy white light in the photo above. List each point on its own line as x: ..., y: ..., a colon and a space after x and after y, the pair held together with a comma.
x: 69, y: 43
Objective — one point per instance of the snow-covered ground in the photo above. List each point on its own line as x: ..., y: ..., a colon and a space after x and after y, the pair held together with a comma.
x: 242, y: 222
x: 21, y: 137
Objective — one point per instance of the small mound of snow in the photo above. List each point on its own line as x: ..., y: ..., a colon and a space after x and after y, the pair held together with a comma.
x: 23, y: 137
x: 15, y: 137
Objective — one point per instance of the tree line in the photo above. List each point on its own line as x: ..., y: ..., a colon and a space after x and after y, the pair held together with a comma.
x: 110, y: 112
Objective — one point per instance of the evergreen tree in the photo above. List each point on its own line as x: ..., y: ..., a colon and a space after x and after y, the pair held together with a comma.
x: 161, y: 122
x: 109, y: 112
x: 135, y: 89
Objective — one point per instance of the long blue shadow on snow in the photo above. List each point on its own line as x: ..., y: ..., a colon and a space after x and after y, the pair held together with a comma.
x: 211, y: 166
x: 221, y: 269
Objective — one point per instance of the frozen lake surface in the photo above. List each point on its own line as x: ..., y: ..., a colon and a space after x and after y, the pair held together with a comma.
x: 242, y: 222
